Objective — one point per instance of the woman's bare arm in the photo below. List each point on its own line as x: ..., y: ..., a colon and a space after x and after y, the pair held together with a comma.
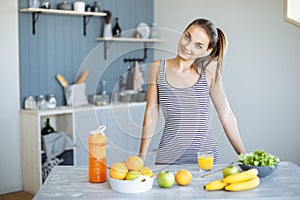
x: 152, y: 110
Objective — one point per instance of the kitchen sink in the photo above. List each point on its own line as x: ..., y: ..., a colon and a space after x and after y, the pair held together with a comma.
x: 128, y: 96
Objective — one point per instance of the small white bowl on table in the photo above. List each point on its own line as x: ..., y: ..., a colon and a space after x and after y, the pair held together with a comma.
x: 140, y: 184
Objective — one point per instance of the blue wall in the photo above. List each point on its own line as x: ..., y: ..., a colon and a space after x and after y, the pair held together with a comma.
x: 60, y: 47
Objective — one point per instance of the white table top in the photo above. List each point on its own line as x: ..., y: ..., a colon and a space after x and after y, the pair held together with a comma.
x: 71, y: 182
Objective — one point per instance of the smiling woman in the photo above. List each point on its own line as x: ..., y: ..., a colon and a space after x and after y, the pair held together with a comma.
x: 256, y: 60
x: 182, y: 87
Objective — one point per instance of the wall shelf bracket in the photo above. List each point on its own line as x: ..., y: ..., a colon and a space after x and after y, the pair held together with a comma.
x: 138, y: 59
x: 35, y: 18
x: 86, y: 20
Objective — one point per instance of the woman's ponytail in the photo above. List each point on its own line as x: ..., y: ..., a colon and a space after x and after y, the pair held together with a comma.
x: 219, y: 51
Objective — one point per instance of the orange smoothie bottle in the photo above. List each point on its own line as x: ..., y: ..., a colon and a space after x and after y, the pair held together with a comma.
x: 97, y: 155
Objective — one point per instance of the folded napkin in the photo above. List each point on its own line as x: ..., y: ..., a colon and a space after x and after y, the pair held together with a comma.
x: 56, y: 143
x: 138, y: 80
x: 129, y: 80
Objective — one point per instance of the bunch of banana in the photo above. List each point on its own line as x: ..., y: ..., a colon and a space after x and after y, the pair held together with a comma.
x: 240, y: 181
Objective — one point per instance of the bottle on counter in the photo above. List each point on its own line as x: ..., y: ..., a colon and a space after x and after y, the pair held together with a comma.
x: 46, y: 130
x: 51, y: 101
x: 97, y: 155
x: 117, y: 29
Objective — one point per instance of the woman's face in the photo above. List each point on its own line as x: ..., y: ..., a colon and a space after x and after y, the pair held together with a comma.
x: 193, y: 43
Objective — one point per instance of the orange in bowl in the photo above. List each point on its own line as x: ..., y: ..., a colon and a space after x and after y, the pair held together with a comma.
x: 118, y: 171
x: 134, y: 163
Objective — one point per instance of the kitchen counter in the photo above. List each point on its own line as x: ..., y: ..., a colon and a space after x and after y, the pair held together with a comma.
x: 123, y: 122
x: 71, y: 182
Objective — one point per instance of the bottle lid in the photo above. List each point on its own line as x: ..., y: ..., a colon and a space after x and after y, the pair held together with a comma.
x: 99, y: 130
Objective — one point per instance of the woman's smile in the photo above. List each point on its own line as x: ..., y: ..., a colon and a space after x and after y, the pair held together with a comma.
x: 184, y: 51
x: 193, y: 43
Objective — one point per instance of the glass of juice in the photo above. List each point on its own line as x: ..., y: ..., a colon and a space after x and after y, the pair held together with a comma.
x: 205, y: 160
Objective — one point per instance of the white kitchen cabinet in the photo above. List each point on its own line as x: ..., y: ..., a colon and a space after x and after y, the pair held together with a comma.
x: 124, y: 128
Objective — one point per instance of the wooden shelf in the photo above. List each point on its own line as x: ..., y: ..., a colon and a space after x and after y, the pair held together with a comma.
x: 129, y: 39
x: 62, y: 12
x: 37, y: 11
x: 67, y: 149
x: 124, y: 39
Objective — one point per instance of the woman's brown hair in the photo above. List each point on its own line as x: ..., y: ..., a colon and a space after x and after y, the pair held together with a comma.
x: 218, y: 44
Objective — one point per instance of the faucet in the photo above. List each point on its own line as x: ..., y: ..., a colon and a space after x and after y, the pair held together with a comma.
x: 122, y: 83
x: 103, y: 84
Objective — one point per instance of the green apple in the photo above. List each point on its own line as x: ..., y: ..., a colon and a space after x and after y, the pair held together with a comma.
x: 165, y: 179
x: 230, y: 170
x: 132, y: 175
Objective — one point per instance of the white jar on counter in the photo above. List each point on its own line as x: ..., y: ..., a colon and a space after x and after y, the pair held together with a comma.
x: 30, y: 103
x: 41, y: 102
x: 51, y: 101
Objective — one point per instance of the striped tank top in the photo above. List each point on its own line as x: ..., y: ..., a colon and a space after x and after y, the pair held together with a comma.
x: 187, y: 122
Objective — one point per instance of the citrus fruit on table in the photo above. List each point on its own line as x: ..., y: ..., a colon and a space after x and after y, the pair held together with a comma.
x: 132, y: 175
x: 183, y: 177
x: 146, y: 171
x: 118, y: 171
x: 134, y: 163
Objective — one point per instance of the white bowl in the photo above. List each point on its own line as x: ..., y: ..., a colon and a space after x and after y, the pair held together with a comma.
x: 140, y: 184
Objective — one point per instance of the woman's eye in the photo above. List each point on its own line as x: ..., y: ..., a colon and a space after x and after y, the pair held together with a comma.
x: 187, y: 37
x: 198, y: 46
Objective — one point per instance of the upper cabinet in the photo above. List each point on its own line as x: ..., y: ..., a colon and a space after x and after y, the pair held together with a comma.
x: 292, y: 11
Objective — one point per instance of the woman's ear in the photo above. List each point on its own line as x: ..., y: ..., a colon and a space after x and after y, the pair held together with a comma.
x: 208, y: 51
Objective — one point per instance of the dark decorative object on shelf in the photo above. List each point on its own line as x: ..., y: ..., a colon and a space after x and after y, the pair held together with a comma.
x: 47, y: 129
x: 95, y: 7
x: 88, y: 8
x: 117, y: 29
